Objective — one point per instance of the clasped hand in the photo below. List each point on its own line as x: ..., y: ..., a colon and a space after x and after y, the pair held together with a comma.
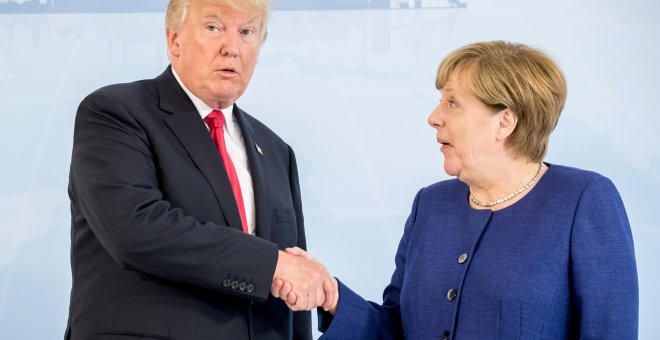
x: 303, y: 282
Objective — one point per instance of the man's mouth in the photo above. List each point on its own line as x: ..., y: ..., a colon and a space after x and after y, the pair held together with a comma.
x: 228, y: 71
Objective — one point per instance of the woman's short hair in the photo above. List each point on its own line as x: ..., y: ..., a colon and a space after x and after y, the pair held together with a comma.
x: 514, y: 76
x: 177, y: 10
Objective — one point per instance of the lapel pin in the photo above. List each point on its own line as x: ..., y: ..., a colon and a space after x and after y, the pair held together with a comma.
x: 258, y: 149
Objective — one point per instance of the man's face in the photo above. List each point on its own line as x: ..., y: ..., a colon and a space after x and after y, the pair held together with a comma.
x: 214, y: 52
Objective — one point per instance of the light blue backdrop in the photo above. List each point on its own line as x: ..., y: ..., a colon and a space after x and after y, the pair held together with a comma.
x: 349, y: 85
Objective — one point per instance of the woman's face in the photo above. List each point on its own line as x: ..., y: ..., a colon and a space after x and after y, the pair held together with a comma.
x: 466, y: 128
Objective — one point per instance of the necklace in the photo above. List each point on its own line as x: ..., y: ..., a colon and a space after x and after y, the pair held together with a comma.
x: 510, y: 196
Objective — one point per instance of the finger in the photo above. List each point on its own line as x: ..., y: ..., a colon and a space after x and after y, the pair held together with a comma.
x: 294, y: 251
x: 286, y: 288
x: 307, y: 255
x: 333, y: 309
x: 301, y: 301
x: 319, y: 298
x: 291, y: 298
x: 275, y: 287
x: 295, y: 308
x: 330, y: 293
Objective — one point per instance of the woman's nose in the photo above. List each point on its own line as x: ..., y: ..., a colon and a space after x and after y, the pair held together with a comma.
x: 435, y: 119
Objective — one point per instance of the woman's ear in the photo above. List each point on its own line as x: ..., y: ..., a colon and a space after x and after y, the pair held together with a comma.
x: 508, y: 122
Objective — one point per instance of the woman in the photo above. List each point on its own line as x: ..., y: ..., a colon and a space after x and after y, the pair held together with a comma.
x: 514, y: 247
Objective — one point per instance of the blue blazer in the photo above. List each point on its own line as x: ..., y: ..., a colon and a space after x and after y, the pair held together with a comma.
x: 558, y: 264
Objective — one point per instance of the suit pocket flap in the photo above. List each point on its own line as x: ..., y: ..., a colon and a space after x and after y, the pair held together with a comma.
x: 120, y: 335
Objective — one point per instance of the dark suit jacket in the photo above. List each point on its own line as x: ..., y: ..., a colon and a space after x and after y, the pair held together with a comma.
x: 157, y: 247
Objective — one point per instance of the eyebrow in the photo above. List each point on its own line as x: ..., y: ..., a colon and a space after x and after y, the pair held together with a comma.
x: 211, y: 15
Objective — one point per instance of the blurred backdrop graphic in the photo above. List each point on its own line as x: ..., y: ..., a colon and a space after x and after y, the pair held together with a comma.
x: 349, y: 84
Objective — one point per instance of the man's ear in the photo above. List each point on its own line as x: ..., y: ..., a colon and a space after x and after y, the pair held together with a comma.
x: 508, y: 123
x: 172, y: 38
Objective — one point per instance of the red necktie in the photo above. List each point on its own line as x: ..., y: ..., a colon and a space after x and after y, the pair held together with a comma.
x: 215, y: 120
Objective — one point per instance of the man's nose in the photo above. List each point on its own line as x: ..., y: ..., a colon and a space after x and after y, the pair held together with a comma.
x: 229, y: 46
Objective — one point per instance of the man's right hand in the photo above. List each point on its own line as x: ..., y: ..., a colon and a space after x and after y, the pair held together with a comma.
x: 303, y: 282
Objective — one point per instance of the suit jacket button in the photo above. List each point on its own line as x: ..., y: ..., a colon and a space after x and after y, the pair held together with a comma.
x: 234, y: 285
x: 451, y: 294
x: 226, y: 283
x: 242, y: 286
x: 462, y: 258
x: 445, y: 335
x: 250, y: 288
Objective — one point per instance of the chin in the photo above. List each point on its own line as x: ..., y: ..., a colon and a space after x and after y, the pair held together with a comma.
x: 224, y: 98
x: 452, y: 169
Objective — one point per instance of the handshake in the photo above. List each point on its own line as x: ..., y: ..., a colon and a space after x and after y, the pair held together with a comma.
x: 303, y: 282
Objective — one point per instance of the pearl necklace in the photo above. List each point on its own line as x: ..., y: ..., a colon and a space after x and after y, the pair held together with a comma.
x: 510, y: 196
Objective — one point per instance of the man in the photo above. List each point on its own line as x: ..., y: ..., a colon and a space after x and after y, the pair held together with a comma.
x: 181, y: 201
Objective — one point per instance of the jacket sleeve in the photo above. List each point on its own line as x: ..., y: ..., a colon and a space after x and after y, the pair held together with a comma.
x: 302, y: 321
x: 115, y: 185
x: 356, y: 318
x: 604, y: 274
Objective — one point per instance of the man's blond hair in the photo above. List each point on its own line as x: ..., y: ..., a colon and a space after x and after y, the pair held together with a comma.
x: 177, y: 10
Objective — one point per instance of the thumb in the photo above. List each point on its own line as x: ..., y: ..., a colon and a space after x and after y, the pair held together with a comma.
x: 295, y: 251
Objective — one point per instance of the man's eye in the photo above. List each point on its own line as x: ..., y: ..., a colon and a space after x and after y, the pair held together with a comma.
x: 452, y: 103
x: 212, y: 28
x: 247, y: 32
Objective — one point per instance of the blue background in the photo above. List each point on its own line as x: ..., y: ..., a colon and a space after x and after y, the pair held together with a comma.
x: 349, y: 85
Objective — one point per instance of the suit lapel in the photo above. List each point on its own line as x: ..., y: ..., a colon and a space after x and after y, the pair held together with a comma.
x: 257, y: 169
x: 187, y: 125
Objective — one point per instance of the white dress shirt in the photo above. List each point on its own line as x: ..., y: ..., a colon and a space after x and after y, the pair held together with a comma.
x: 236, y: 149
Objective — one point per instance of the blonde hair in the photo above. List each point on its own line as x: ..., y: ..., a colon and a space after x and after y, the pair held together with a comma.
x: 514, y: 76
x: 178, y: 9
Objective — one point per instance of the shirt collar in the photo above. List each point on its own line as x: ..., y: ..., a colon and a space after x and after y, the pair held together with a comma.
x: 204, y: 110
